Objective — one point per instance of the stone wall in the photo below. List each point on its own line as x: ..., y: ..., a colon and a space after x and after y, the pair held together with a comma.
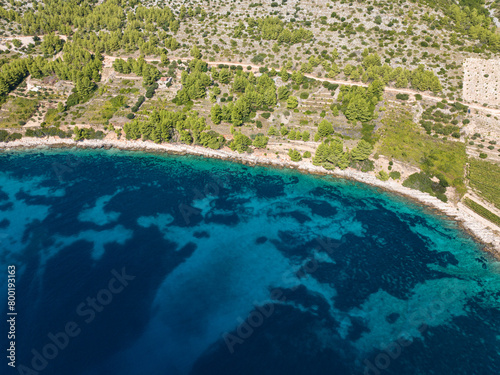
x: 482, y: 81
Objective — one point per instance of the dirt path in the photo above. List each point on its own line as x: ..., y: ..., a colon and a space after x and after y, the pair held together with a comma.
x: 108, y: 61
x: 348, y: 83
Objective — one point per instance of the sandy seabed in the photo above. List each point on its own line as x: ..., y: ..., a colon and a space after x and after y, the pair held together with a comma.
x: 484, y: 231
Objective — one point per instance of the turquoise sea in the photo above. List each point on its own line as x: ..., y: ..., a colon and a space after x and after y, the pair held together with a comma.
x: 131, y: 263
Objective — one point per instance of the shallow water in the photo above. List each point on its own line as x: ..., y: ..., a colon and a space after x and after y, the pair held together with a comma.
x: 234, y: 270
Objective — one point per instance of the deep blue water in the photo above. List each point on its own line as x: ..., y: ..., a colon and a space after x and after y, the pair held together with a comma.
x: 179, y: 265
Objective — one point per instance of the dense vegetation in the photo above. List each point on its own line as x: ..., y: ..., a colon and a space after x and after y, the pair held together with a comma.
x: 401, y: 140
x: 331, y: 154
x: 484, y: 177
x: 163, y: 125
x: 482, y: 211
x: 422, y: 181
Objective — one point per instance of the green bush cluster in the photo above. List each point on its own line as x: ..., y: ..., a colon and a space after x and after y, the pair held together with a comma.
x: 5, y: 136
x: 358, y: 103
x: 138, y: 103
x: 272, y: 28
x: 194, y: 83
x: 87, y: 133
x: 260, y: 141
x: 401, y: 140
x: 484, y: 178
x: 482, y: 211
x: 140, y: 67
x: 151, y: 90
x: 422, y: 181
x: 259, y: 94
x: 330, y: 154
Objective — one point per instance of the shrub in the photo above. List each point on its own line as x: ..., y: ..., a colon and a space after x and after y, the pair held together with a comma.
x: 6, y: 137
x: 130, y: 116
x: 482, y: 155
x: 306, y: 155
x: 395, y: 175
x: 418, y: 97
x: 266, y: 115
x: 402, y: 96
x: 330, y: 86
x: 258, y: 59
x: 151, y: 90
x: 383, y: 176
x: 304, y: 95
x: 422, y: 181
x: 138, y: 104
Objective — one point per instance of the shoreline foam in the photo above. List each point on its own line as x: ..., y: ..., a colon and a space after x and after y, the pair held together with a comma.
x: 472, y: 223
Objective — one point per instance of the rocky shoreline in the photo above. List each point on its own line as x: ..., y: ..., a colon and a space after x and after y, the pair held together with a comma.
x: 483, y: 231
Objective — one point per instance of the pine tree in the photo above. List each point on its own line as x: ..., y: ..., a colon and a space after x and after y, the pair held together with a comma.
x: 216, y: 114
x: 195, y: 52
x: 284, y: 74
x: 292, y: 102
x: 362, y: 151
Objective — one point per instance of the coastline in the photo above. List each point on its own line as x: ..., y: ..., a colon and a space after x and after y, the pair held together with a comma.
x: 476, y: 226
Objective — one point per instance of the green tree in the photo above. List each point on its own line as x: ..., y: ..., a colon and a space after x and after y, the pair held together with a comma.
x: 362, y: 151
x: 334, y: 71
x: 272, y: 131
x: 305, y: 136
x: 185, y: 137
x: 195, y: 52
x: 84, y: 87
x: 283, y: 93
x: 216, y: 114
x: 224, y: 75
x: 330, y: 154
x: 297, y: 77
x: 240, y: 142
x: 260, y: 141
x: 294, y: 155
x: 371, y: 60
x: 51, y: 44
x: 325, y: 128
x: 292, y: 102
x: 284, y: 74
